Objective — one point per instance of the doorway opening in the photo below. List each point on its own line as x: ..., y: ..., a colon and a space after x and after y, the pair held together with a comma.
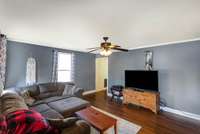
x: 101, y: 73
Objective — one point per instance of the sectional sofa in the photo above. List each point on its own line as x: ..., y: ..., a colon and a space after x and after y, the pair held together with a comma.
x: 51, y: 101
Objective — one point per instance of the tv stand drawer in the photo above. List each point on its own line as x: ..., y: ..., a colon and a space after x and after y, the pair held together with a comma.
x: 145, y: 99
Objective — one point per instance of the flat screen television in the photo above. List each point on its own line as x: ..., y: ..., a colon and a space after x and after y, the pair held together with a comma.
x: 142, y: 80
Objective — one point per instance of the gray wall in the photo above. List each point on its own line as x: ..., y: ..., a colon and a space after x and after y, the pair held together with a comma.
x: 17, y: 54
x: 179, y: 72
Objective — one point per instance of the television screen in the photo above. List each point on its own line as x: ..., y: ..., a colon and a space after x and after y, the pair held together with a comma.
x: 147, y: 80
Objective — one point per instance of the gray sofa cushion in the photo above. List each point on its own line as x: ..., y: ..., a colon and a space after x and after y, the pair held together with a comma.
x: 47, y: 111
x: 40, y: 108
x: 50, y: 89
x: 52, y: 114
x: 50, y: 99
x: 55, y: 98
x: 69, y: 105
x: 43, y: 96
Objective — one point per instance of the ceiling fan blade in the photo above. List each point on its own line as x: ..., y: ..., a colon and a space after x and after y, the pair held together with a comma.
x: 120, y: 49
x: 114, y: 46
x: 94, y: 50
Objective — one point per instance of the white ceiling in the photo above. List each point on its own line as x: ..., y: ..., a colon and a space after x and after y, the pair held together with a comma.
x: 80, y: 24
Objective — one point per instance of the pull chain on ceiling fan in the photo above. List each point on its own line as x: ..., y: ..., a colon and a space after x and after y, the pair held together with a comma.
x: 106, y: 48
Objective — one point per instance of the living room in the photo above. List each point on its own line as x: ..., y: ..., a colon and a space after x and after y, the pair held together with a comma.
x: 126, y: 67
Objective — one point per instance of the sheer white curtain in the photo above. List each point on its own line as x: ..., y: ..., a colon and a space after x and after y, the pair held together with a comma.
x: 73, y: 67
x: 30, y: 71
x: 55, y: 66
x: 3, y: 42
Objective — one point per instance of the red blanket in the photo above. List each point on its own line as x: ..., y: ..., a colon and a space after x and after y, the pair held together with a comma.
x: 25, y: 122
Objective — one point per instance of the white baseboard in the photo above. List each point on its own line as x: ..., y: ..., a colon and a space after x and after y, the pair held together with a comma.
x: 92, y: 92
x: 174, y: 111
x: 182, y: 113
x: 109, y: 94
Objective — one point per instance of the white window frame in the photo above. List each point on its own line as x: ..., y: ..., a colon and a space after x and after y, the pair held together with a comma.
x: 65, y: 53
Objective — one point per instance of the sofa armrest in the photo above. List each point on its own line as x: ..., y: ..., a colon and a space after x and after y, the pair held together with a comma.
x: 80, y: 127
x: 71, y: 125
x: 79, y: 93
x: 63, y: 123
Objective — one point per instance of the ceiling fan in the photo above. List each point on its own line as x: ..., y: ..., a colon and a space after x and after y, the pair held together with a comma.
x: 106, y: 48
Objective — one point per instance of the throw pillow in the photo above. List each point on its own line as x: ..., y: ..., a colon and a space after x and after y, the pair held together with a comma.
x: 28, y: 122
x: 68, y: 90
x: 27, y: 98
x: 75, y: 89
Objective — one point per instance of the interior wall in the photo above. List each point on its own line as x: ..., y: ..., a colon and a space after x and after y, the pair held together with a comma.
x: 18, y: 53
x: 179, y: 72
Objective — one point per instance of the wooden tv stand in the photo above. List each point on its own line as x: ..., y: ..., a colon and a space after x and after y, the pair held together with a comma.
x: 146, y: 99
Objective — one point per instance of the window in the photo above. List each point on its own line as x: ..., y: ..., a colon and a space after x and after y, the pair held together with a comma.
x: 64, y: 69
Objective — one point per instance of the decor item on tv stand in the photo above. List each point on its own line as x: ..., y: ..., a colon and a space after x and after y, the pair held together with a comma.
x: 144, y: 98
x: 148, y: 60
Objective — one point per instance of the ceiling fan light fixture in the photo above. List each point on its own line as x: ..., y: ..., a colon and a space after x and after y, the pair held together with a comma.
x: 107, y: 47
x: 105, y: 52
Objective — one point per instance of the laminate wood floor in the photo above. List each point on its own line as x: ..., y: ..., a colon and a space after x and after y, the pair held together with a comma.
x: 163, y: 123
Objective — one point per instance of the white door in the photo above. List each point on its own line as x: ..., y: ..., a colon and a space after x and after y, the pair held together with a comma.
x: 101, y: 73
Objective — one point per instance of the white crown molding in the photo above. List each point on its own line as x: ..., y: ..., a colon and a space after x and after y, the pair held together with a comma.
x: 165, y: 44
x: 42, y: 44
x: 79, y: 50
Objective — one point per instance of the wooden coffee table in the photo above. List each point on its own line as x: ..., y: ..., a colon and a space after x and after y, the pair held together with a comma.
x: 97, y: 119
